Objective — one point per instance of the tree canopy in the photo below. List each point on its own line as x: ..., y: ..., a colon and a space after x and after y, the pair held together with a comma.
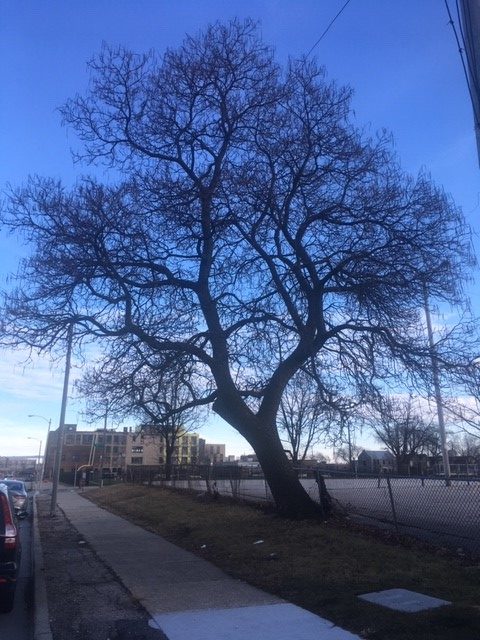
x: 250, y: 227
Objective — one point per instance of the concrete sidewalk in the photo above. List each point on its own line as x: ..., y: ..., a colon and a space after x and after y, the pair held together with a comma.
x: 186, y: 596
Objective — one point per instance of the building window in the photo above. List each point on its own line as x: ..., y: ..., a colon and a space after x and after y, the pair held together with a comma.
x: 137, y: 449
x: 69, y: 439
x: 136, y: 460
x: 87, y: 439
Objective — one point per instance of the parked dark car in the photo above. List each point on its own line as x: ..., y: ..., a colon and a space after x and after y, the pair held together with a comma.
x: 10, y: 550
x: 19, y: 495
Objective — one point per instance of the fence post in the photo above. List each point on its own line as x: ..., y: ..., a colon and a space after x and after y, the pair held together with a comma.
x: 379, y: 477
x: 392, y: 503
x: 208, y: 472
x: 323, y: 495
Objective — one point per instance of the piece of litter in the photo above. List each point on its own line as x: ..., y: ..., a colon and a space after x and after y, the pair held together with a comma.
x: 82, y: 542
x: 204, y: 546
x: 258, y: 542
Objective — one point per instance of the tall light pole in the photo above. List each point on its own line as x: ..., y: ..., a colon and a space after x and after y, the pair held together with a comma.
x: 61, y: 426
x: 436, y: 386
x: 49, y: 421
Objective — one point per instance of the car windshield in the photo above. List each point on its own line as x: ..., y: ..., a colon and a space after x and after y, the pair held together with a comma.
x: 14, y: 486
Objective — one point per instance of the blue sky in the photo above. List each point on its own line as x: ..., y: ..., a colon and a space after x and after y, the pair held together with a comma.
x: 400, y: 58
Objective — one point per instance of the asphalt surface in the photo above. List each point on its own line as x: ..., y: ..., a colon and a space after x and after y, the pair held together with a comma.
x: 108, y: 579
x: 18, y: 624
x: 82, y: 598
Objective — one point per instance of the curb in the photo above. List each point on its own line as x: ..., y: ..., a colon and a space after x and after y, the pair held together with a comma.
x: 41, y: 618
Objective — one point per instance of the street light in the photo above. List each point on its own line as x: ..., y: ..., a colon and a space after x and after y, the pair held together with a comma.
x: 436, y: 386
x: 61, y: 424
x: 49, y: 421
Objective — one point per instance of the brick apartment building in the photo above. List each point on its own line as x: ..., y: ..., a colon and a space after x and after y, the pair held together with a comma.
x: 113, y: 451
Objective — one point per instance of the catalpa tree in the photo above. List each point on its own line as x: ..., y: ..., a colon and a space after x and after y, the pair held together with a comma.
x: 251, y: 229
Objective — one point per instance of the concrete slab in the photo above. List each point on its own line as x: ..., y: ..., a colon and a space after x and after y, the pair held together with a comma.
x: 404, y: 600
x: 273, y: 622
x: 211, y: 594
x: 162, y: 576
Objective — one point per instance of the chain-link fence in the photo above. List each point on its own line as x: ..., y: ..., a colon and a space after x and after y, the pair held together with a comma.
x: 423, y: 507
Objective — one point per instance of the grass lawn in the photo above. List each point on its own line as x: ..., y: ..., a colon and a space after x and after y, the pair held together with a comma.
x: 321, y: 566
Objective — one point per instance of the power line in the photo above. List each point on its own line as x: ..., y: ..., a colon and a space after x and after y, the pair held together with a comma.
x: 470, y: 78
x: 471, y: 57
x: 328, y: 27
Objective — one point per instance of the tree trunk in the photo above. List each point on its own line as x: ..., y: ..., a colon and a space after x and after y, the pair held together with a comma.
x: 168, y: 464
x: 291, y: 499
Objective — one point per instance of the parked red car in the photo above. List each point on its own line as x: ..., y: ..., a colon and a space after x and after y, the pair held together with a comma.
x: 10, y: 551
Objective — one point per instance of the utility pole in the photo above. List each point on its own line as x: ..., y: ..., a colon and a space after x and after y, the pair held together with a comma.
x: 104, y: 454
x: 436, y: 385
x: 61, y: 426
x: 45, y: 451
x: 470, y: 10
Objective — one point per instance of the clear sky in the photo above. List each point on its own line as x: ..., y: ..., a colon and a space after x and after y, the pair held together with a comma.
x: 400, y: 58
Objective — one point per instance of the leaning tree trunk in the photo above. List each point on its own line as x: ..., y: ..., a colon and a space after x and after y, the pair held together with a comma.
x: 291, y: 499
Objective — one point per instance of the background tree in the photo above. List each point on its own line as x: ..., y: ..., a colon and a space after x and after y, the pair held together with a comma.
x: 305, y: 416
x: 160, y: 398
x: 252, y: 228
x: 399, y: 425
x: 464, y: 408
x: 348, y: 454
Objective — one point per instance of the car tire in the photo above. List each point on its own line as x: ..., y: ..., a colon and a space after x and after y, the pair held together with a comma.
x: 7, y: 597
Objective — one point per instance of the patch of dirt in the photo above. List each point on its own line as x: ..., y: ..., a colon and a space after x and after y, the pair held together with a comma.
x: 86, y: 601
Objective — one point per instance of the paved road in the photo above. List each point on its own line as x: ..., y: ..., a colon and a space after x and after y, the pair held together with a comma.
x: 18, y: 625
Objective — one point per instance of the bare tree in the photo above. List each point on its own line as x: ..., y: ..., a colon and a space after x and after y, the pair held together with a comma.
x: 160, y: 397
x: 304, y: 416
x: 250, y: 214
x: 466, y: 445
x: 399, y: 425
x: 464, y: 408
x: 348, y: 453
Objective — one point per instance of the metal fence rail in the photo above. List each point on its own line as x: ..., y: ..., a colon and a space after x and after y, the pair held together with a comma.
x: 424, y: 507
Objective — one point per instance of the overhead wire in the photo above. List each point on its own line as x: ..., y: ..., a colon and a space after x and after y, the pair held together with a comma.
x: 328, y: 27
x: 473, y: 75
x: 469, y: 75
